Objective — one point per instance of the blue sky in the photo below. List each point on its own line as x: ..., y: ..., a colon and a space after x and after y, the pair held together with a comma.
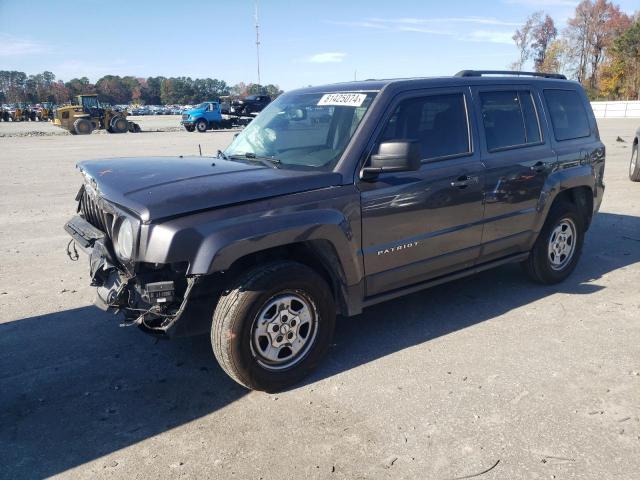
x: 304, y: 42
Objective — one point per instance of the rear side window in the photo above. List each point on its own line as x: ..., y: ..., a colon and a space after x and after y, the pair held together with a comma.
x: 510, y: 119
x: 438, y: 122
x: 568, y: 115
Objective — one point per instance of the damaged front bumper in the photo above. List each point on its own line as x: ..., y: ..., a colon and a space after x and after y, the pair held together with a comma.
x: 155, y: 300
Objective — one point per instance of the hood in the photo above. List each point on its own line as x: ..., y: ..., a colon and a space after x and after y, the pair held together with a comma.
x: 160, y: 187
x: 192, y: 111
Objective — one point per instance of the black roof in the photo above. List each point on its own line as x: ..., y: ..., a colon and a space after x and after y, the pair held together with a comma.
x: 374, y: 85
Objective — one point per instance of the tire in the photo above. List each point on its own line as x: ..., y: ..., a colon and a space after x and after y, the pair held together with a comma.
x: 82, y: 126
x: 245, y: 347
x: 189, y: 128
x: 202, y: 125
x: 119, y: 124
x: 634, y: 165
x: 558, y: 246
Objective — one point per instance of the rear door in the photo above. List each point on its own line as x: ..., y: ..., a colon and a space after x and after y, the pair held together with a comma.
x: 426, y: 223
x: 518, y: 156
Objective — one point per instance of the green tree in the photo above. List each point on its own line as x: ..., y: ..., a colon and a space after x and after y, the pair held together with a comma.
x: 77, y: 86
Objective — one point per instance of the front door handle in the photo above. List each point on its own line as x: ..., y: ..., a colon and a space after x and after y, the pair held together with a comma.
x: 539, y: 167
x: 464, y: 181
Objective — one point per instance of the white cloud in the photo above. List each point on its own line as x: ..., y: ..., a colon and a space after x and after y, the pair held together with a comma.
x: 11, y: 46
x: 543, y: 3
x: 327, y: 57
x: 360, y: 24
x: 490, y: 36
x: 432, y: 31
x: 502, y: 32
x: 441, y: 20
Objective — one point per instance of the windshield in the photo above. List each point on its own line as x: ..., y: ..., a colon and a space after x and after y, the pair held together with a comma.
x: 303, y: 130
x: 202, y: 106
x: 90, y: 102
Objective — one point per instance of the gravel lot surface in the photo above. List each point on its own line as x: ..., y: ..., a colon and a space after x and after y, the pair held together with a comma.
x: 542, y: 382
x: 146, y: 122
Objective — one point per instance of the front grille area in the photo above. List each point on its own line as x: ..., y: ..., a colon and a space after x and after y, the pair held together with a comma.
x: 94, y: 214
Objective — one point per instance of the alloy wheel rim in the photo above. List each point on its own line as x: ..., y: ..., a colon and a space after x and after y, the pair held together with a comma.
x: 562, y: 244
x: 284, y: 331
x: 634, y: 160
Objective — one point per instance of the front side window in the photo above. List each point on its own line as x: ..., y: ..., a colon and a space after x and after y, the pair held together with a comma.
x: 568, y: 115
x: 438, y: 122
x: 510, y: 119
x: 303, y: 130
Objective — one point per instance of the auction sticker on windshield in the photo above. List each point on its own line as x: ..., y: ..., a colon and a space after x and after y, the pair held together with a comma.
x: 342, y: 99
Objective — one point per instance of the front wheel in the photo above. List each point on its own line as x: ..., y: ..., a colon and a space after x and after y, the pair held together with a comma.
x: 189, y: 128
x: 559, y: 245
x: 634, y: 165
x: 273, y: 326
x: 202, y: 126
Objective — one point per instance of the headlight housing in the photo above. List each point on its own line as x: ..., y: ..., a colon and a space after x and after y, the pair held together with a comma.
x: 124, y: 240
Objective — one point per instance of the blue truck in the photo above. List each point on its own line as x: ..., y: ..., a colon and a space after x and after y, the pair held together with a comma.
x: 206, y: 116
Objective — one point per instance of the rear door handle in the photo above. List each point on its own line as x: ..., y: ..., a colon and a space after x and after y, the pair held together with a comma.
x: 539, y: 167
x: 464, y: 181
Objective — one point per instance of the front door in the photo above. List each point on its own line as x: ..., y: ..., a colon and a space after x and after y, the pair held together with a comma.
x: 423, y: 224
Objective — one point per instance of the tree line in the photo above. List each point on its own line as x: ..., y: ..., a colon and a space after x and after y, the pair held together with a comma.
x: 18, y: 87
x: 599, y: 47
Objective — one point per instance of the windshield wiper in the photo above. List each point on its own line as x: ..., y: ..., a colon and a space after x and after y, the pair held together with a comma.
x: 268, y: 161
x: 222, y: 155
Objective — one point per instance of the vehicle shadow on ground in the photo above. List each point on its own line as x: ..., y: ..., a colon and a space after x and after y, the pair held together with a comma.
x: 613, y: 242
x: 75, y: 387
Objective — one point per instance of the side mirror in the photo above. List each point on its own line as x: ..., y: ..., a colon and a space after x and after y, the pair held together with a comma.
x: 399, y: 156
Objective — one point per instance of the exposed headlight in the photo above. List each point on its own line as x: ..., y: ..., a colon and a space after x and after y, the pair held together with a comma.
x: 124, y: 240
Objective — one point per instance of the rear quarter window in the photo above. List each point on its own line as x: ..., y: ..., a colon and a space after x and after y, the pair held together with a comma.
x: 568, y: 115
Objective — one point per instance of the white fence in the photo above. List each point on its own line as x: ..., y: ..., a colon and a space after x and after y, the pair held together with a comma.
x: 630, y: 109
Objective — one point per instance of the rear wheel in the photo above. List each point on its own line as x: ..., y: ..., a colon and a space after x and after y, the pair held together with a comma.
x: 273, y: 326
x: 634, y: 165
x: 118, y: 125
x: 202, y: 125
x: 559, y: 245
x: 82, y: 126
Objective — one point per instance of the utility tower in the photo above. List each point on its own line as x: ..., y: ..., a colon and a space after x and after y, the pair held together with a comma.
x: 257, y: 41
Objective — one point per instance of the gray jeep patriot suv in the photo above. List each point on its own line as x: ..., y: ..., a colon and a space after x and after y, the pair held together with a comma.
x: 339, y: 197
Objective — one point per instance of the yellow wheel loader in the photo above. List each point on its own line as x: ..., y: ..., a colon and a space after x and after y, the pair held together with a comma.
x: 86, y: 114
x: 46, y: 112
x: 19, y: 114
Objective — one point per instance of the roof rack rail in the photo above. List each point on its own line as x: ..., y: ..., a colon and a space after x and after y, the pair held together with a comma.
x: 479, y: 73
